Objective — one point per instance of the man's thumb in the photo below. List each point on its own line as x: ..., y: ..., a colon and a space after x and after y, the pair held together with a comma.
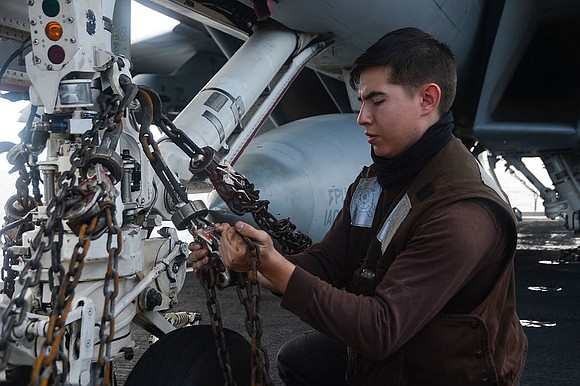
x: 245, y: 229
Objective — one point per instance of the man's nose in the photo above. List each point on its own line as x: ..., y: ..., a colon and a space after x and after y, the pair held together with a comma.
x: 364, y: 118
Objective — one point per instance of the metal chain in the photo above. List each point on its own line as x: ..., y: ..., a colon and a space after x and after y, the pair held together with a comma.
x: 111, y: 278
x: 241, y: 197
x: 234, y: 188
x: 42, y: 243
x: 50, y: 238
x: 251, y: 301
x: 208, y: 280
x: 63, y: 289
x: 7, y: 274
x: 19, y: 206
x: 151, y: 148
x: 51, y: 349
x: 151, y: 112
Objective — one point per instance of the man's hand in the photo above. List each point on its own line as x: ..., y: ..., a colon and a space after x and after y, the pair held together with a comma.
x: 234, y: 247
x: 199, y: 254
x: 275, y: 269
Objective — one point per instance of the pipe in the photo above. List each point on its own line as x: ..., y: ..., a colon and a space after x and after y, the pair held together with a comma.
x: 217, y: 110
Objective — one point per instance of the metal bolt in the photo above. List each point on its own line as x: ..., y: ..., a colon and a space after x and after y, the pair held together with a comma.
x: 128, y: 352
x: 49, y: 66
x: 73, y: 40
x: 35, y: 42
x: 30, y: 336
x: 71, y: 19
x: 31, y: 2
x: 36, y: 60
x: 35, y: 303
x: 32, y: 22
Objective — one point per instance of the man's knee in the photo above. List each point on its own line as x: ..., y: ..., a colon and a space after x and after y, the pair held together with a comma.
x: 291, y: 351
x: 289, y: 361
x: 312, y: 359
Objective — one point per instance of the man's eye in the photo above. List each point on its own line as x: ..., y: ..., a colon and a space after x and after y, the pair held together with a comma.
x: 378, y: 101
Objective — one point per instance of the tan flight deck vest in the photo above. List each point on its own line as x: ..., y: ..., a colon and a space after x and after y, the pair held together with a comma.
x: 484, y: 347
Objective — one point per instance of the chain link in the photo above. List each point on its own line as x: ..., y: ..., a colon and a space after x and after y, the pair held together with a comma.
x: 208, y: 280
x: 251, y: 302
x: 241, y: 197
x: 110, y: 290
x: 151, y: 112
x: 45, y: 368
x: 18, y: 207
x: 63, y: 289
x: 51, y: 365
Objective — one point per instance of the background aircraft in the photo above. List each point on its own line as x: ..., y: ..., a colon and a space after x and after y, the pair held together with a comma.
x: 517, y: 94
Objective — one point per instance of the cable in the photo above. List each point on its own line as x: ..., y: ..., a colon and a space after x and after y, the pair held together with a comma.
x: 13, y: 56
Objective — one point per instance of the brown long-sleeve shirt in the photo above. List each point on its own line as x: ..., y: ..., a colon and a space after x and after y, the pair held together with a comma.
x: 450, y: 264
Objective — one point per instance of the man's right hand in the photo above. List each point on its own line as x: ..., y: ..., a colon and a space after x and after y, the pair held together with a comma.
x: 199, y: 254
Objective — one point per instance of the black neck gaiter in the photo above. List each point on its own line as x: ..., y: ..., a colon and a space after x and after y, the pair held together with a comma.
x: 411, y: 161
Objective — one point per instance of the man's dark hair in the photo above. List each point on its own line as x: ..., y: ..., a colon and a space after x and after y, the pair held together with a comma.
x: 415, y: 58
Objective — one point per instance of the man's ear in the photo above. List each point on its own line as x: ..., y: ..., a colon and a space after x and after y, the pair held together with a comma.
x: 430, y: 97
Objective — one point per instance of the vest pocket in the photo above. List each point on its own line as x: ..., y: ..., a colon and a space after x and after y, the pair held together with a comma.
x: 451, y: 350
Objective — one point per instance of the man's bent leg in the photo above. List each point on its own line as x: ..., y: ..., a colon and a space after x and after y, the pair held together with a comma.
x: 312, y: 359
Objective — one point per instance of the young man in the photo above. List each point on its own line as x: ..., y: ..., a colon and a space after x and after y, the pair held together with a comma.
x: 413, y: 284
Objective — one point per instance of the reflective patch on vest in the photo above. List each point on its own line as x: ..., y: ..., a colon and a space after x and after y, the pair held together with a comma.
x: 490, y: 183
x: 394, y: 221
x: 364, y: 202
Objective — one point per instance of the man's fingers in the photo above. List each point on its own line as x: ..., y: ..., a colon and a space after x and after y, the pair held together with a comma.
x: 194, y: 246
x: 234, y: 239
x: 247, y: 230
x: 196, y: 266
x: 221, y: 227
x: 197, y: 253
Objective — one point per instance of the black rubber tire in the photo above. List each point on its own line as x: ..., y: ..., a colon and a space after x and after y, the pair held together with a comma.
x: 188, y: 357
x: 20, y: 376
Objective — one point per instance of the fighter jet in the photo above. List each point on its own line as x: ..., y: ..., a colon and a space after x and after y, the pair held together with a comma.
x: 517, y: 93
x: 251, y: 96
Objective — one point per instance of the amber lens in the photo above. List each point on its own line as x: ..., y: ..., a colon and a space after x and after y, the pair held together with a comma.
x: 53, y: 31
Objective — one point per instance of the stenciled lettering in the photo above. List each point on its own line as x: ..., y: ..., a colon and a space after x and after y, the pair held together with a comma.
x: 336, y: 196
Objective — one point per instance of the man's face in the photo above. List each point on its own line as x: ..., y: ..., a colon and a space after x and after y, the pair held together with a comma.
x: 391, y: 117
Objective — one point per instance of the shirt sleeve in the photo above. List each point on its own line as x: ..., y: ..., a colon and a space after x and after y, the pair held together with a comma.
x: 445, y: 252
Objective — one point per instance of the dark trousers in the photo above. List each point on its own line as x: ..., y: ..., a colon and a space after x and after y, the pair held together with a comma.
x: 312, y: 359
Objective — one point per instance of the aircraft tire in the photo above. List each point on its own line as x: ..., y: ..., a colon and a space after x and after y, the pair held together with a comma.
x: 188, y: 357
x: 20, y: 376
